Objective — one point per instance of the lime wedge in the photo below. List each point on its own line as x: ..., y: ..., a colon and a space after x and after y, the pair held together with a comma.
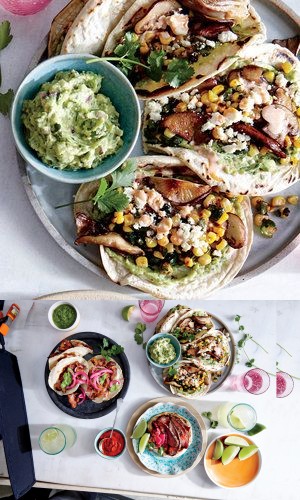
x: 218, y: 451
x: 256, y: 429
x: 127, y: 312
x: 140, y: 429
x: 143, y: 442
x: 229, y: 454
x: 236, y: 422
x: 248, y: 451
x: 236, y: 440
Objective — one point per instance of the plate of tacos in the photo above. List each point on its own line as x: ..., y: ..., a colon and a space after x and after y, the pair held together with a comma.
x: 221, y: 112
x: 176, y: 437
x: 208, y: 353
x: 85, y: 374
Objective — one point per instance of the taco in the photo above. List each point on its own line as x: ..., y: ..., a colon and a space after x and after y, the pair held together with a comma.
x: 68, y: 348
x: 187, y: 379
x: 170, y: 434
x: 68, y: 374
x: 189, y: 325
x: 177, y: 44
x: 239, y: 130
x: 105, y: 379
x: 211, y: 350
x: 165, y: 241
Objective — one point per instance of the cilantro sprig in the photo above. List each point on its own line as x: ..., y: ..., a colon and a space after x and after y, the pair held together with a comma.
x: 212, y: 423
x: 250, y: 363
x: 5, y: 39
x: 107, y: 352
x: 138, y: 334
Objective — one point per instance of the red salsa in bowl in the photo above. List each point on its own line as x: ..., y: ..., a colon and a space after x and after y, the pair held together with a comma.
x: 110, y: 446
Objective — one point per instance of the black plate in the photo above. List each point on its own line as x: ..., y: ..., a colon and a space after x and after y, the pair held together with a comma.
x: 89, y: 409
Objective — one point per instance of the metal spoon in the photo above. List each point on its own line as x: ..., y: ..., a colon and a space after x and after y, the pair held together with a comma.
x: 119, y: 403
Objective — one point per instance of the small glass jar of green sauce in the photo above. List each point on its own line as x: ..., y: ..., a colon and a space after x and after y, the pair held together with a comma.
x: 63, y: 316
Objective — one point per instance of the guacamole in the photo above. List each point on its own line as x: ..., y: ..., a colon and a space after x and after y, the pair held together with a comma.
x: 70, y: 124
x: 162, y: 351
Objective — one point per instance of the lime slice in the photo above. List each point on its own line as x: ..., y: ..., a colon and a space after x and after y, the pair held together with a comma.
x: 229, y: 454
x: 236, y: 422
x: 50, y: 435
x: 127, y: 312
x: 236, y: 440
x: 218, y: 451
x: 256, y: 429
x: 143, y: 442
x: 248, y: 451
x: 140, y: 429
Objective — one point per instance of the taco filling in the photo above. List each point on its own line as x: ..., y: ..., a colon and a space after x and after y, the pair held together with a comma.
x: 187, y: 379
x: 192, y: 325
x: 170, y: 434
x: 105, y: 379
x: 211, y: 350
x: 173, y: 42
x: 69, y: 377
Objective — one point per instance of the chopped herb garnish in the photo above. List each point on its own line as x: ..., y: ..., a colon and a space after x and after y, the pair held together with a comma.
x: 208, y: 415
x: 138, y: 335
x: 114, y: 350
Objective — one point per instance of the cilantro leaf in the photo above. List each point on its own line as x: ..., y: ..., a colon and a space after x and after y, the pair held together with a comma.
x: 155, y: 62
x: 178, y: 72
x: 127, y: 50
x: 105, y: 343
x: 123, y: 177
x: 212, y: 423
x: 114, y: 350
x: 101, y: 190
x: 112, y: 201
x: 250, y: 363
x: 172, y: 371
x: 6, y: 101
x: 138, y: 335
x: 237, y: 317
x: 5, y: 36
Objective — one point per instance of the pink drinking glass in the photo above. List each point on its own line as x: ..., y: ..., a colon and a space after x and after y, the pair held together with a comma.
x: 24, y: 7
x: 150, y: 309
x: 284, y: 384
x: 256, y: 381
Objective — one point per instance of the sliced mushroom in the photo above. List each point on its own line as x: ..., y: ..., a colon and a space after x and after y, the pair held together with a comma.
x: 156, y: 17
x: 112, y: 240
x: 252, y: 73
x: 293, y: 44
x: 281, y: 121
x: 183, y: 124
x: 233, y: 75
x: 235, y: 233
x: 179, y: 191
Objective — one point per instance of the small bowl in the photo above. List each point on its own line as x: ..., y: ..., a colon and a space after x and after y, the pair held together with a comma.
x: 115, y: 85
x: 98, y: 437
x: 50, y: 316
x: 174, y: 342
x: 235, y: 469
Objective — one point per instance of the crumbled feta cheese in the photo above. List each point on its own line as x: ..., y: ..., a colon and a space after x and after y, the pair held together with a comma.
x: 247, y: 104
x: 192, y: 103
x: 260, y: 95
x: 194, y: 92
x: 184, y: 97
x: 217, y: 253
x: 186, y: 43
x: 155, y: 110
x: 185, y: 247
x: 281, y: 81
x: 232, y: 115
x: 210, y: 43
x: 164, y: 100
x: 227, y: 36
x: 215, y: 119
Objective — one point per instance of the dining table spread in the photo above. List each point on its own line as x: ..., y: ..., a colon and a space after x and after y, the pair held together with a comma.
x: 32, y: 338
x: 31, y: 262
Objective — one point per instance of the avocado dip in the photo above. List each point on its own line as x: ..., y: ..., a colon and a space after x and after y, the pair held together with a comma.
x: 162, y: 351
x: 70, y: 124
x: 64, y: 316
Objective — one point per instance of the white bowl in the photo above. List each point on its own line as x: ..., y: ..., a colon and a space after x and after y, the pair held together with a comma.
x: 50, y: 314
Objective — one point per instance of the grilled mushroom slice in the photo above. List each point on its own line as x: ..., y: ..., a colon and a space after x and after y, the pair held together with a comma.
x: 235, y: 233
x: 112, y: 240
x: 179, y: 191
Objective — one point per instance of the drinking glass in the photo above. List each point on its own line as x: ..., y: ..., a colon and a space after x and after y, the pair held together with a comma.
x: 242, y: 417
x: 52, y: 441
x: 150, y: 309
x: 256, y: 381
x: 69, y: 432
x: 284, y: 384
x: 24, y: 7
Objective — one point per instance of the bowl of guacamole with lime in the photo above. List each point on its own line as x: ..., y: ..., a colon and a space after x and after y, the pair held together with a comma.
x: 73, y: 120
x: 163, y: 350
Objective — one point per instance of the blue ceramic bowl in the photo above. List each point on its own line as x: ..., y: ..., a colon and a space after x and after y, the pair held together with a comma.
x: 96, y: 444
x: 115, y: 85
x: 174, y: 342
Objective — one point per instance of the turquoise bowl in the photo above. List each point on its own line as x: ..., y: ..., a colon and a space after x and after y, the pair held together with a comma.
x: 115, y: 85
x: 174, y: 342
x: 96, y: 444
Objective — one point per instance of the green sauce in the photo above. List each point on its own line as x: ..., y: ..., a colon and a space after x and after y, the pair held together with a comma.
x: 64, y: 316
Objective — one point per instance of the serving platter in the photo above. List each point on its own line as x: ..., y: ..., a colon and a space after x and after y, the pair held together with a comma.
x: 45, y: 194
x: 168, y: 467
x: 88, y: 409
x: 219, y: 325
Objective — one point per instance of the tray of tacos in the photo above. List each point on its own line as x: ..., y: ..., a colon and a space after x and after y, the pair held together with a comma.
x: 220, y: 133
x: 85, y: 374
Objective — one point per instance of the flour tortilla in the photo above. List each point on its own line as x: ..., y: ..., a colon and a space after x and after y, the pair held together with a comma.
x: 213, y: 65
x: 119, y: 377
x: 211, y: 364
x: 72, y: 351
x: 201, y: 286
x: 173, y: 318
x: 209, y: 165
x: 179, y: 392
x: 92, y: 25
x: 61, y: 367
x: 185, y: 422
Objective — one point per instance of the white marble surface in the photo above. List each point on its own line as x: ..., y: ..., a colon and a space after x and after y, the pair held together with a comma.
x: 32, y: 338
x: 31, y: 263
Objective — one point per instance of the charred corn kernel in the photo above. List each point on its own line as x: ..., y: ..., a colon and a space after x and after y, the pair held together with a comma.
x: 284, y: 161
x: 212, y: 96
x: 205, y: 259
x: 234, y: 83
x: 256, y: 200
x: 188, y: 262
x: 240, y: 198
x: 204, y: 98
x: 278, y: 201
x: 298, y: 112
x: 197, y: 252
x: 287, y: 141
x: 181, y: 106
x: 293, y: 199
x: 269, y: 76
x: 151, y: 242
x: 118, y: 218
x: 294, y: 161
x: 176, y: 220
x: 195, y: 216
x: 205, y: 214
x: 223, y: 218
x: 218, y: 89
x: 158, y: 255
x: 168, y: 133
x: 142, y: 262
x: 221, y: 245
x: 235, y: 105
x: 144, y: 48
x: 258, y: 218
x: 175, y: 239
x: 170, y: 248
x: 128, y: 219
x: 235, y: 96
x: 127, y: 229
x: 226, y: 204
x: 211, y: 237
x: 163, y: 241
x: 264, y: 151
x: 286, y: 67
x: 296, y: 142
x: 253, y: 150
x: 214, y: 106
x: 149, y: 36
x: 209, y: 200
x: 111, y: 227
x: 220, y: 231
x: 165, y: 38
